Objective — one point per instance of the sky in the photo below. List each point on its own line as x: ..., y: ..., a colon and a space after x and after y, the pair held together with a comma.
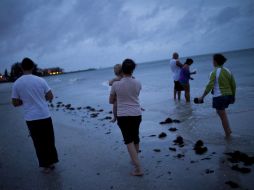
x: 82, y: 34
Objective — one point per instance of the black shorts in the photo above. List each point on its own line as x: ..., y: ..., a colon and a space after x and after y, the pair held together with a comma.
x: 129, y: 126
x: 178, y: 86
x: 222, y: 102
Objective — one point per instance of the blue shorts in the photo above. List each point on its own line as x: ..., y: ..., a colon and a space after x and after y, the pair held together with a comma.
x: 222, y: 102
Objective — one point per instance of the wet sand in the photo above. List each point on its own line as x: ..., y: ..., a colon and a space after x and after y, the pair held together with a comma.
x: 92, y: 154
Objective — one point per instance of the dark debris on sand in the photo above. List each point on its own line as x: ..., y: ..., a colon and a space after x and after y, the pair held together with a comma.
x: 172, y: 149
x: 237, y: 156
x: 91, y: 111
x: 208, y: 171
x: 162, y: 135
x: 243, y: 170
x: 232, y: 184
x: 180, y: 156
x: 156, y: 150
x: 179, y: 141
x: 169, y: 120
x: 199, y: 147
x: 172, y: 129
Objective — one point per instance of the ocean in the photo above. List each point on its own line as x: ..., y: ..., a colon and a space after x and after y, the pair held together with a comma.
x: 90, y: 88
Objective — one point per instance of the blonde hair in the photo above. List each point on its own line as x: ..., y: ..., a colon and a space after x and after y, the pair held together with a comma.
x: 118, y: 69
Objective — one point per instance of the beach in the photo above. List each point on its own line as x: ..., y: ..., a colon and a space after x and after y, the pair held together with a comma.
x: 91, y: 151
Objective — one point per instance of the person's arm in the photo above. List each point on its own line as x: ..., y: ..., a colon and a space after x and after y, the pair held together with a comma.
x: 16, y: 102
x: 179, y: 64
x: 233, y: 88
x: 114, y: 80
x: 112, y: 98
x: 15, y: 97
x: 209, y: 86
x: 49, y: 95
x: 233, y: 84
x: 193, y: 72
x: 110, y: 83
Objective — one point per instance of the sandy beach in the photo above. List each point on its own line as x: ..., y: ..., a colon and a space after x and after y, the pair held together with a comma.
x: 92, y: 154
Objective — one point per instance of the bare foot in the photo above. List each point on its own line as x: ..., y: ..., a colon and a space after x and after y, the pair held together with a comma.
x: 137, y: 172
x: 113, y: 120
x: 46, y: 170
x: 52, y: 167
x: 228, y: 133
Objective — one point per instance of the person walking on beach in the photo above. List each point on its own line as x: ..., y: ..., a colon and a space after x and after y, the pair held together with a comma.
x: 176, y: 66
x: 223, y: 87
x: 32, y: 93
x: 118, y: 73
x: 185, y: 76
x: 126, y: 93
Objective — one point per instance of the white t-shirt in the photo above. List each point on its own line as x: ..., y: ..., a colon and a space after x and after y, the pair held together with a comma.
x: 175, y: 69
x: 32, y: 90
x: 127, y: 91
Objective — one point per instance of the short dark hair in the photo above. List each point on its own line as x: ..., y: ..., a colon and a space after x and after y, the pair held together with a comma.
x: 219, y: 58
x: 189, y: 61
x: 128, y: 66
x: 27, y: 64
x: 175, y: 55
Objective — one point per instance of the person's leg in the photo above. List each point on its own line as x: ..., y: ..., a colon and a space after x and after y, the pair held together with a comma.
x: 225, y: 123
x: 42, y: 134
x: 178, y: 88
x: 127, y: 129
x: 134, y: 157
x: 136, y: 124
x: 187, y: 92
x: 175, y: 89
x: 137, y: 147
x: 179, y: 95
x: 175, y: 94
x: 52, y: 155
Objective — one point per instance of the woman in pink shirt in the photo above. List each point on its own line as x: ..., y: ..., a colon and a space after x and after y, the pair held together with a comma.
x: 126, y: 93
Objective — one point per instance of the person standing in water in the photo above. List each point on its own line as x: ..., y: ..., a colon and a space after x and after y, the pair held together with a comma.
x: 223, y: 87
x: 185, y: 76
x: 176, y: 66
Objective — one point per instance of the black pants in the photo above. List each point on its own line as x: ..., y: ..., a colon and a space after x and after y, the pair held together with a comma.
x: 42, y: 133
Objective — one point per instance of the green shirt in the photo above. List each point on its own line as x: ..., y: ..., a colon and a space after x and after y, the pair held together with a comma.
x: 222, y: 82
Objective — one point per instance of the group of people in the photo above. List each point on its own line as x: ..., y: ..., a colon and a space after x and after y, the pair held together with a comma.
x: 221, y: 84
x: 33, y: 92
x: 181, y: 75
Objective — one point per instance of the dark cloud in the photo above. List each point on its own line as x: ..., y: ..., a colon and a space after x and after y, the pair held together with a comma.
x: 88, y: 32
x: 227, y: 15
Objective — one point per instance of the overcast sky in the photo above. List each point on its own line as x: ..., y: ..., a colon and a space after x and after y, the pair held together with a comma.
x: 81, y: 34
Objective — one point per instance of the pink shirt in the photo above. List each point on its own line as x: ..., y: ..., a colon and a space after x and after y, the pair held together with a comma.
x: 127, y: 92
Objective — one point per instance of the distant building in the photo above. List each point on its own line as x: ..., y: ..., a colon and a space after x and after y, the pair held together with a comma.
x: 2, y: 78
x: 53, y: 71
